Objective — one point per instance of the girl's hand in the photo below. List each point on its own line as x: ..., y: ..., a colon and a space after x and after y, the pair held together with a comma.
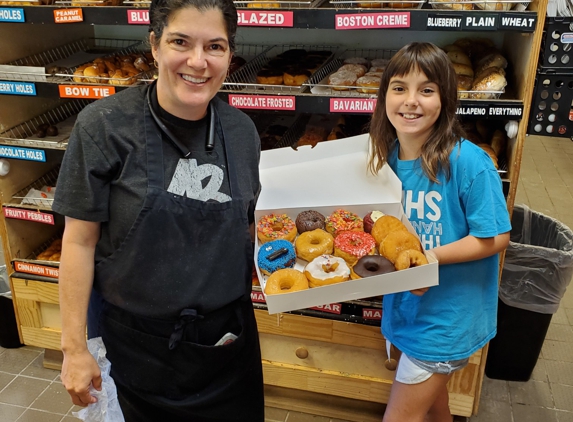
x: 419, y: 292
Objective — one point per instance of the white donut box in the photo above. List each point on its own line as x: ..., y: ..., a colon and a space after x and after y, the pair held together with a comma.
x: 330, y: 176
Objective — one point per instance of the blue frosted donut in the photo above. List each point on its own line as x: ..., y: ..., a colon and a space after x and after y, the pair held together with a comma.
x: 276, y: 255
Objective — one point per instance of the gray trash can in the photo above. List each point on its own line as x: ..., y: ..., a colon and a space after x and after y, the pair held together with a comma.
x: 537, y: 269
x: 9, y: 337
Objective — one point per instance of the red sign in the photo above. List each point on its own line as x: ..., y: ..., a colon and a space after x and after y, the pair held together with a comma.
x: 265, y: 18
x: 372, y: 20
x: 94, y: 92
x: 355, y: 105
x: 368, y: 313
x: 333, y: 308
x: 68, y: 15
x: 263, y: 102
x: 43, y: 270
x: 20, y: 214
x: 258, y: 297
x: 138, y: 17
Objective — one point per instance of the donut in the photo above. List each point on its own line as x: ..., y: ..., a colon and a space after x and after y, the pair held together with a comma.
x: 342, y: 80
x: 309, y: 220
x: 396, y: 242
x: 325, y: 270
x: 286, y: 281
x: 309, y: 245
x: 276, y: 226
x: 254, y: 277
x: 357, y: 60
x: 276, y: 255
x: 270, y: 77
x: 370, y: 265
x: 380, y: 63
x: 385, y: 225
x: 358, y: 69
x: 341, y: 220
x: 369, y: 220
x: 351, y: 246
x: 409, y: 258
x: 368, y: 84
x: 296, y: 76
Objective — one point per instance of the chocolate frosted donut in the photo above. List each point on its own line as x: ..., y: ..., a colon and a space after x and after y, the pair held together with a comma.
x: 309, y: 220
x: 370, y: 265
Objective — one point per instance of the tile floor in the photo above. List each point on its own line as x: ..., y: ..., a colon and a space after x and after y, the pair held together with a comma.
x: 31, y: 393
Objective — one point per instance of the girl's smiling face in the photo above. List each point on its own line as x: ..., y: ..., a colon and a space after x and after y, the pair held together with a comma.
x: 193, y: 56
x: 413, y: 106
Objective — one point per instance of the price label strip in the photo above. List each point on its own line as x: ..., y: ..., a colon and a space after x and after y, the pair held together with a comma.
x: 17, y: 88
x: 9, y: 14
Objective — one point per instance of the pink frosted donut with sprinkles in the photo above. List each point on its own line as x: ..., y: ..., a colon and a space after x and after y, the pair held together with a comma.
x: 341, y: 220
x: 276, y: 226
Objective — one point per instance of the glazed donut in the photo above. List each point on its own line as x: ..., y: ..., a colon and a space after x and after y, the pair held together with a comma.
x: 275, y: 226
x: 352, y: 246
x: 396, y: 242
x: 276, y: 255
x: 358, y: 69
x: 409, y: 258
x: 369, y: 220
x: 370, y: 265
x: 341, y: 220
x: 342, y: 80
x: 368, y: 84
x: 325, y: 270
x: 311, y: 244
x: 385, y: 225
x: 286, y: 281
x: 309, y: 220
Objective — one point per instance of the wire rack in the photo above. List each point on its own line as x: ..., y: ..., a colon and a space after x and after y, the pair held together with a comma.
x: 22, y: 200
x: 245, y: 79
x: 62, y: 117
x: 33, y: 256
x: 373, y: 4
x: 499, y: 5
x: 480, y: 95
x: 137, y: 3
x: 293, y: 134
x: 265, y: 4
x: 39, y: 68
x: 319, y: 85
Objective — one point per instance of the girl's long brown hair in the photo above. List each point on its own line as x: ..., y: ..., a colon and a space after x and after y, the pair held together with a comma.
x: 434, y: 63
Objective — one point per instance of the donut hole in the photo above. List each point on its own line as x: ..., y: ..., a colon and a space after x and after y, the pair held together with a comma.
x: 315, y: 241
x: 285, y: 285
x: 277, y: 226
x: 372, y: 267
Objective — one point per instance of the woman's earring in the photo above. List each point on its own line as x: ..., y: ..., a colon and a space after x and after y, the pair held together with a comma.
x: 155, y: 63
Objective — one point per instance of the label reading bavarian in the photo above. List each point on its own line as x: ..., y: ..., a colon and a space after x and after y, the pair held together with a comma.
x: 22, y: 153
x: 480, y: 22
x: 356, y: 105
x: 20, y: 214
x: 441, y: 22
x: 264, y: 18
x: 17, y: 88
x: 332, y: 308
x: 68, y: 15
x: 372, y: 20
x: 369, y: 313
x: 263, y: 102
x: 94, y: 92
x: 138, y: 17
x: 7, y: 14
x: 521, y: 22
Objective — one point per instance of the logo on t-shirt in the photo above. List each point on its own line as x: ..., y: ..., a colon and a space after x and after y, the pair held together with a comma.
x: 188, y: 181
x: 427, y: 215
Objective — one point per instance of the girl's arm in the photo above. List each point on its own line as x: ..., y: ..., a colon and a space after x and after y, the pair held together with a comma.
x: 471, y: 248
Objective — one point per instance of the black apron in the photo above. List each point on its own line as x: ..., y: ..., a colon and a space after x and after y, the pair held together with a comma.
x: 178, y: 283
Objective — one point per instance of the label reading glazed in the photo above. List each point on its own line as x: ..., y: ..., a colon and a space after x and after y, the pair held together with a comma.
x: 11, y: 15
x: 68, y: 15
x: 94, y: 92
x: 480, y: 22
x: 332, y: 308
x: 371, y: 313
x: 263, y: 102
x: 444, y: 22
x: 372, y: 20
x: 356, y: 105
x: 17, y: 88
x: 22, y: 153
x: 518, y: 21
x: 20, y: 214
x: 260, y: 18
x: 138, y: 17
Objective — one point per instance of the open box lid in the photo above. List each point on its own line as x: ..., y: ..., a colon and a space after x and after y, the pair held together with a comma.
x: 332, y: 173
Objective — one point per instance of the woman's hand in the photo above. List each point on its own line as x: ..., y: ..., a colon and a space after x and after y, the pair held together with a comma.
x: 79, y: 371
x: 419, y: 292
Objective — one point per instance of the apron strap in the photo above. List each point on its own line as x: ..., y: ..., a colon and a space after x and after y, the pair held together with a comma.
x: 185, y: 317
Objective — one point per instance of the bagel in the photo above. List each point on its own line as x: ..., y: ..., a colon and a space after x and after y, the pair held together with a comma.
x: 463, y: 69
x: 459, y: 57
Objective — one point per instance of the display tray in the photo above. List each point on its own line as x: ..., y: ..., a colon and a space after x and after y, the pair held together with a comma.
x: 62, y: 117
x: 245, y: 79
x: 38, y: 195
x: 57, y: 65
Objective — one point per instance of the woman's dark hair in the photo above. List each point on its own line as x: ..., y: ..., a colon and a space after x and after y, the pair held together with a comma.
x: 435, y: 64
x: 161, y: 11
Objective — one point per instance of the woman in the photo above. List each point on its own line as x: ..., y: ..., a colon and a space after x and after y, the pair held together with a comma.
x: 158, y: 187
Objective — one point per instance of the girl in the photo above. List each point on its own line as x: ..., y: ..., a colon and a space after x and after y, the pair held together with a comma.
x: 452, y: 196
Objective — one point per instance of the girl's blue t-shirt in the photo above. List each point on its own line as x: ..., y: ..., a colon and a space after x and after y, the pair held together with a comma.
x: 454, y: 319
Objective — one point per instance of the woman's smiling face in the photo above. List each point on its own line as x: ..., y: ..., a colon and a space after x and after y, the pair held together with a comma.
x: 193, y: 56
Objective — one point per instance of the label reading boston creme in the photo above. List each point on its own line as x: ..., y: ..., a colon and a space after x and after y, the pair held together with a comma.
x: 11, y: 15
x: 372, y: 20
